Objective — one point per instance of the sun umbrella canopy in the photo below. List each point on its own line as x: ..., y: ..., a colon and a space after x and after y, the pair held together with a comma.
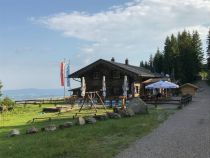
x: 172, y: 85
x: 162, y: 84
x: 104, y: 86
x: 83, y: 87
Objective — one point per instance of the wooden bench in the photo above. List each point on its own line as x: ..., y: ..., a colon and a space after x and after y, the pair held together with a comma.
x: 41, y: 118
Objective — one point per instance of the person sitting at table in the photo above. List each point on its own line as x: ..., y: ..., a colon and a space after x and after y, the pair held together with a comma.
x: 158, y: 95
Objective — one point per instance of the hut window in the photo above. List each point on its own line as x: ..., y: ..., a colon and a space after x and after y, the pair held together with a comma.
x: 116, y: 74
x: 96, y: 76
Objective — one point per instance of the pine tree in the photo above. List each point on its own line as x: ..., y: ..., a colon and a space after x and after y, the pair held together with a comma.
x: 171, y: 54
x: 182, y: 57
x: 197, y: 51
x: 186, y: 57
x: 142, y: 63
x: 146, y: 65
x: 167, y: 56
x: 151, y: 63
x: 175, y: 69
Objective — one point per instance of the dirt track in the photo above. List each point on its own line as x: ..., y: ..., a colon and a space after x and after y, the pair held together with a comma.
x: 186, y: 134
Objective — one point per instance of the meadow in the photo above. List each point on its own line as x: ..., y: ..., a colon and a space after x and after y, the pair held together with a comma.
x: 103, y: 139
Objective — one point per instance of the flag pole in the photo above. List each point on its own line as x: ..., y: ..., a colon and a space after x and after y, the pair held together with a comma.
x: 69, y: 78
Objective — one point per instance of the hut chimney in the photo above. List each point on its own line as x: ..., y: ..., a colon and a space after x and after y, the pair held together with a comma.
x: 126, y: 61
x: 112, y: 60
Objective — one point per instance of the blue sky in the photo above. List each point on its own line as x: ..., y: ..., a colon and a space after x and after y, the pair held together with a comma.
x: 35, y: 35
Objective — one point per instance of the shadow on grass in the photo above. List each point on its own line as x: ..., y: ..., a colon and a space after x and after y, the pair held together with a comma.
x: 103, y: 139
x: 61, y: 119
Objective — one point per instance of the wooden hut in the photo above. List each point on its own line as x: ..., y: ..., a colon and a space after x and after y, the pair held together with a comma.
x: 188, y: 88
x: 114, y: 73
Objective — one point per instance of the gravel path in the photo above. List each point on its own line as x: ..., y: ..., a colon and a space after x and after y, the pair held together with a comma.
x: 186, y: 134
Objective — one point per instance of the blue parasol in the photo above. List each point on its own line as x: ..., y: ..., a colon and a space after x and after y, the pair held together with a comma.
x: 162, y: 85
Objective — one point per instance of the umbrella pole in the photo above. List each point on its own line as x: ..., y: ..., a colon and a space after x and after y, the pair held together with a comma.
x: 123, y: 102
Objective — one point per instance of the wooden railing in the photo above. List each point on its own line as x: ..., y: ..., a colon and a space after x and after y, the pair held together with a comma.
x: 182, y: 101
x: 185, y: 99
x: 47, y: 101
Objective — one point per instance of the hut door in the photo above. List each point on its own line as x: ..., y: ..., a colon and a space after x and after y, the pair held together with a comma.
x: 136, y: 89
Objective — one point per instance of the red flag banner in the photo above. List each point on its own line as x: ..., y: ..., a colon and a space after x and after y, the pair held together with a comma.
x: 62, y: 73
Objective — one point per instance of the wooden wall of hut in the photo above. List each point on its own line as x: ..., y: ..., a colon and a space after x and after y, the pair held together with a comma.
x: 114, y: 80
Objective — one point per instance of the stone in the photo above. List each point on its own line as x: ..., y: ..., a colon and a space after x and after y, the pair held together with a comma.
x: 100, y: 117
x: 90, y: 120
x: 80, y: 121
x: 130, y: 112
x: 113, y: 115
x: 50, y: 128
x: 66, y: 125
x: 110, y: 114
x: 14, y: 132
x: 126, y: 113
x: 117, y: 116
x: 123, y: 113
x: 138, y: 106
x: 32, y: 130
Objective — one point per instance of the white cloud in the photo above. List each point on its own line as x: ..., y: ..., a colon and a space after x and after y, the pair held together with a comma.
x: 133, y: 29
x: 88, y: 49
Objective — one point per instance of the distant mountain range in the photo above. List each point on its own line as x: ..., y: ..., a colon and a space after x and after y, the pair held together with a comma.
x: 32, y: 93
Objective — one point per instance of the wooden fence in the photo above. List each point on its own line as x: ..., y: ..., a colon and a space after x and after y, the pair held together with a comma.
x: 181, y: 101
x: 55, y: 101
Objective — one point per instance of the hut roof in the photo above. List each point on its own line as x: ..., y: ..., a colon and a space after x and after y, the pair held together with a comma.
x: 189, y: 84
x: 153, y: 80
x: 139, y: 71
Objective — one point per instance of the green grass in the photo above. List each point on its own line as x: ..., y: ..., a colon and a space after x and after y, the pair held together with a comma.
x: 103, y: 139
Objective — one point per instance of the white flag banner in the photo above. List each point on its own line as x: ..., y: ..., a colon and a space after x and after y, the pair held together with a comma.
x: 83, y: 87
x: 125, y: 86
x: 104, y: 86
x: 67, y: 75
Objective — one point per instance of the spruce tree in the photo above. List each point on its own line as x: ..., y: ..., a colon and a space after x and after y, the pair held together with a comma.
x: 167, y: 56
x: 197, y: 51
x: 171, y: 54
x: 142, y: 63
x: 175, y: 69
x: 146, y: 65
x: 186, y: 57
x: 158, y: 62
x: 182, y: 57
x: 151, y: 63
